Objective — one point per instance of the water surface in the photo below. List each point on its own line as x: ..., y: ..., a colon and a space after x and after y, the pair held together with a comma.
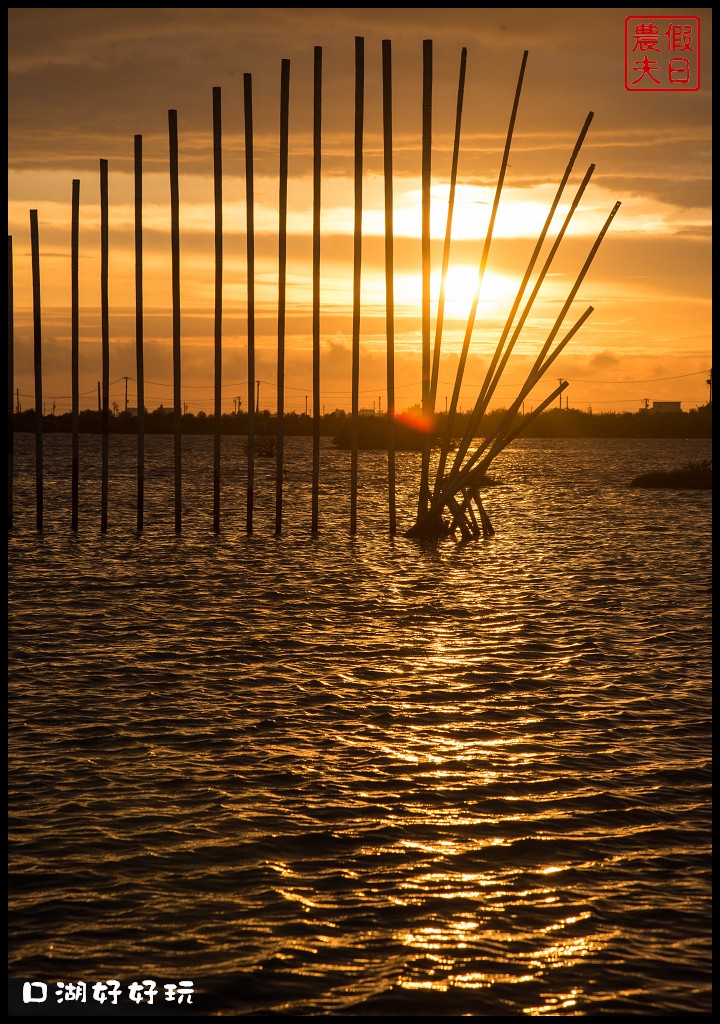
x: 363, y: 775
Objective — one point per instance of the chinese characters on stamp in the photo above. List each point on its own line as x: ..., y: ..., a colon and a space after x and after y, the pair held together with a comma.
x: 662, y: 53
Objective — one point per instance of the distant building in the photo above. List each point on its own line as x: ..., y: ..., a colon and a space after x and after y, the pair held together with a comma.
x: 666, y: 406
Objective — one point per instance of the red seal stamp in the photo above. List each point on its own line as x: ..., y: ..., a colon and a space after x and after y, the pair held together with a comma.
x: 662, y: 53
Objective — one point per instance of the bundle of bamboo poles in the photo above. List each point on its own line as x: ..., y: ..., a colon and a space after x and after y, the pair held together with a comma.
x: 452, y: 503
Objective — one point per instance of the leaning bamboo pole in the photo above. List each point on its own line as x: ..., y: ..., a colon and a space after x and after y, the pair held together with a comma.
x: 250, y: 218
x: 357, y: 264
x: 317, y: 157
x: 426, y: 182
x: 74, y: 357
x: 105, y: 332
x: 448, y: 433
x: 37, y: 364
x: 472, y: 476
x: 497, y: 365
x: 175, y: 259
x: 11, y: 376
x: 139, y: 334
x: 435, y: 372
x: 389, y: 276
x: 505, y: 432
x: 282, y: 289
x: 218, y: 200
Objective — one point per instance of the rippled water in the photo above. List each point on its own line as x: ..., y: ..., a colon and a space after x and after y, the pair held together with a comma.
x: 363, y: 776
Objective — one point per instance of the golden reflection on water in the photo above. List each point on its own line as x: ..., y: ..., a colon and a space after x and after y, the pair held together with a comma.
x: 556, y: 1006
x: 453, y: 945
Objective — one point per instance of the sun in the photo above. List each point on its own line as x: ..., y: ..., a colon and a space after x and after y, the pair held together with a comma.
x: 497, y: 292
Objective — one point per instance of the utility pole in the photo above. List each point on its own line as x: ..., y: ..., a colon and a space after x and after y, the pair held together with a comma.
x: 709, y: 384
x: 560, y: 395
x: 257, y: 400
x: 126, y: 398
x: 17, y: 398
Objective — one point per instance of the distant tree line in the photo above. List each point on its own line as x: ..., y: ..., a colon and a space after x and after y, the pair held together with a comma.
x: 373, y: 429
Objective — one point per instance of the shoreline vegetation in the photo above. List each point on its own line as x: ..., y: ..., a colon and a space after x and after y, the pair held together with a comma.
x: 696, y: 476
x: 373, y: 430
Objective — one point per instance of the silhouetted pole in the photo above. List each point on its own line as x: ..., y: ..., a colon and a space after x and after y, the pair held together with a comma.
x: 317, y: 156
x: 105, y: 332
x: 448, y: 234
x: 37, y: 361
x: 139, y: 334
x: 357, y: 263
x: 492, y: 377
x: 445, y: 443
x: 218, y: 195
x: 425, y: 248
x: 11, y: 372
x: 75, y: 350
x: 175, y: 246
x: 389, y: 276
x: 282, y: 280
x: 249, y: 202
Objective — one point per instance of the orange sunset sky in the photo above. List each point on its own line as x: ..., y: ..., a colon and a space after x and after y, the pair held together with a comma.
x: 84, y: 81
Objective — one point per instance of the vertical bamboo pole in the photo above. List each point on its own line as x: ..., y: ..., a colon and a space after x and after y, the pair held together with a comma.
x: 175, y: 247
x: 75, y: 349
x: 217, y: 171
x: 426, y: 180
x: 11, y: 373
x: 105, y: 332
x: 37, y: 362
x: 389, y: 276
x: 357, y: 264
x: 317, y: 155
x: 282, y: 279
x: 139, y: 335
x: 249, y: 202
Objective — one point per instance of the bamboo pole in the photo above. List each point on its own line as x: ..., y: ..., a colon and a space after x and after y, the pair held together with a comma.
x: 175, y: 254
x: 492, y: 377
x: 37, y: 363
x: 472, y: 478
x: 250, y: 214
x: 389, y: 276
x: 357, y: 263
x: 497, y: 441
x: 282, y: 285
x: 139, y: 333
x: 317, y: 155
x: 11, y: 376
x: 75, y: 347
x: 218, y: 197
x: 105, y: 333
x: 448, y: 233
x: 423, y: 494
x: 447, y: 436
x: 473, y: 475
